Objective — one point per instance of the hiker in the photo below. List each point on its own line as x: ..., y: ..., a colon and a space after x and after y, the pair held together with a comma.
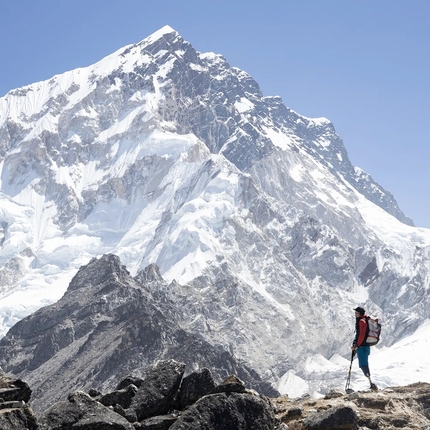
x: 359, y: 345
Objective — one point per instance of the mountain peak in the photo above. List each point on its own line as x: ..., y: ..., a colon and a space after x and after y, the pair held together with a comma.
x: 163, y: 34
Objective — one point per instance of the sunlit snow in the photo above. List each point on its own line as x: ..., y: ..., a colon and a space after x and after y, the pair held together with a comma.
x: 406, y: 362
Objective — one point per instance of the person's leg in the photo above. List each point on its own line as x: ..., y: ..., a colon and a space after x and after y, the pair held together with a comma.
x: 363, y: 359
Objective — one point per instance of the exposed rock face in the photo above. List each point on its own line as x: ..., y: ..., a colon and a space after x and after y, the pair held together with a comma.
x: 224, y: 411
x: 108, y: 326
x: 80, y: 411
x: 195, y: 386
x: 14, y: 390
x: 397, y: 407
x: 153, y: 406
x: 15, y: 413
x: 230, y: 405
x: 158, y: 393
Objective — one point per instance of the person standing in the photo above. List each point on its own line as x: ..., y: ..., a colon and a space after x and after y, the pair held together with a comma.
x: 359, y: 345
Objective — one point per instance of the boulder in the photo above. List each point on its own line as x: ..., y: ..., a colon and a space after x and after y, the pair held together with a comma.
x: 231, y: 385
x: 293, y: 413
x: 162, y: 422
x: 128, y: 381
x: 195, y: 386
x: 119, y: 397
x: 226, y: 411
x: 14, y: 390
x: 80, y: 411
x: 17, y: 419
x: 159, y: 390
x: 339, y: 418
x: 128, y: 414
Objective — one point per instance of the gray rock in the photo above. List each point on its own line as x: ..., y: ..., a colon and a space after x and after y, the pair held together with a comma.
x: 18, y: 419
x: 162, y: 422
x: 80, y: 411
x: 226, y: 412
x: 128, y: 414
x: 292, y: 413
x: 340, y: 418
x: 121, y: 397
x: 159, y: 391
x: 335, y: 393
x: 128, y: 381
x: 194, y: 386
x: 12, y: 405
x: 231, y: 385
x: 15, y: 390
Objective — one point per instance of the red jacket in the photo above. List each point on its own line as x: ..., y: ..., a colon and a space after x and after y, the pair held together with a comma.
x: 361, y: 331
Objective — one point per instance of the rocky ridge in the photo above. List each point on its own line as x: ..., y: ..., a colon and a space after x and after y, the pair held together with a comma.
x: 164, y: 399
x: 107, y: 326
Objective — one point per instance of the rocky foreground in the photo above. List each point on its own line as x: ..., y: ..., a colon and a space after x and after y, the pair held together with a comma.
x: 166, y: 399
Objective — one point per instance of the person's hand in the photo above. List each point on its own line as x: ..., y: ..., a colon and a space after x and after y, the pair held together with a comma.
x: 354, y: 347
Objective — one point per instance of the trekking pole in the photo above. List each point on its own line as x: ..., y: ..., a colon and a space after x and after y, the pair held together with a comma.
x: 348, y: 380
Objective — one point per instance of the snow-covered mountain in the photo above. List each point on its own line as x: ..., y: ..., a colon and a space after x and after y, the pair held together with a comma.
x: 161, y: 154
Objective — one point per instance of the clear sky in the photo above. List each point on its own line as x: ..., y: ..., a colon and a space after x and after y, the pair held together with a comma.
x: 365, y: 65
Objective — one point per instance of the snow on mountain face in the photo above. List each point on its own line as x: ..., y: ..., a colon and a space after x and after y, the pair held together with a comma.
x: 161, y: 154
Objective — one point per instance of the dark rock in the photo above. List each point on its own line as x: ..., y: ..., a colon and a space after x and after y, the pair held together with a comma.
x: 80, y: 411
x: 423, y: 399
x: 162, y: 422
x: 399, y: 421
x: 17, y: 419
x: 128, y: 381
x: 12, y: 405
x: 94, y: 393
x: 334, y: 394
x: 119, y: 397
x: 224, y: 411
x: 128, y: 414
x: 231, y: 385
x: 292, y: 414
x: 15, y: 390
x: 159, y: 390
x: 340, y: 418
x: 373, y: 402
x: 194, y: 386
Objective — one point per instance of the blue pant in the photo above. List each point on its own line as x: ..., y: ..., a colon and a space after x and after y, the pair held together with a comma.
x: 363, y: 359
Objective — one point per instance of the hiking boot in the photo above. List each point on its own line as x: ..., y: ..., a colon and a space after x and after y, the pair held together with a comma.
x: 373, y: 387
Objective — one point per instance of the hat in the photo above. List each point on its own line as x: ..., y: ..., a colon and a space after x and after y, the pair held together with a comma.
x: 360, y: 310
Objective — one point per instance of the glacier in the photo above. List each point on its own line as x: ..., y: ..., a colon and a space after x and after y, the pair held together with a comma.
x: 264, y: 232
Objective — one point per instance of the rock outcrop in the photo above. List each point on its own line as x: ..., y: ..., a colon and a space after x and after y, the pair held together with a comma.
x: 166, y: 400
x: 156, y: 404
x: 14, y: 410
x: 397, y: 407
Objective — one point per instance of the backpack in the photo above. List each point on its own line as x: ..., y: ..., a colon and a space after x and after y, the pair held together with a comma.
x: 373, y: 331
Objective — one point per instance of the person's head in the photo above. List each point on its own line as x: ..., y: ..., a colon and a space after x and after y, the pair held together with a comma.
x: 359, y: 312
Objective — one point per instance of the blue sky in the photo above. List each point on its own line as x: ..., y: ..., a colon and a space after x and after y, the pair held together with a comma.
x: 363, y: 65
